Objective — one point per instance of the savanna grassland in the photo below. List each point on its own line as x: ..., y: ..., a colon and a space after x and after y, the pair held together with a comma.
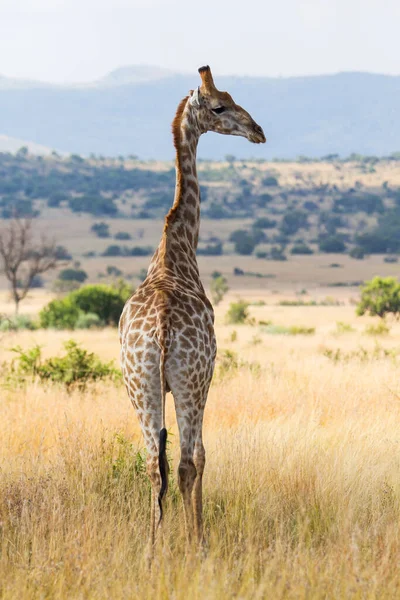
x: 302, y: 482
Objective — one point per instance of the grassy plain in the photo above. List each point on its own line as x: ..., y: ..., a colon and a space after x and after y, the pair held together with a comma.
x: 302, y: 482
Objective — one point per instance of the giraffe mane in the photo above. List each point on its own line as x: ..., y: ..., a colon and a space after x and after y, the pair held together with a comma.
x: 177, y: 136
x: 176, y: 123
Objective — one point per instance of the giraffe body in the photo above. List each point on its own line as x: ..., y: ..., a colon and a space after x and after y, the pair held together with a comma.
x: 167, y: 327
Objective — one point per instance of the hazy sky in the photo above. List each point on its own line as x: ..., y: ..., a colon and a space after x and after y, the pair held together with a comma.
x: 80, y: 40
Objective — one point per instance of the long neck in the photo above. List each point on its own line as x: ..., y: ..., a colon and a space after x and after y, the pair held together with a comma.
x: 177, y: 250
x: 183, y: 220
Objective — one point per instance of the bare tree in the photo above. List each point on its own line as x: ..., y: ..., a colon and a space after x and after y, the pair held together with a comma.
x: 22, y: 258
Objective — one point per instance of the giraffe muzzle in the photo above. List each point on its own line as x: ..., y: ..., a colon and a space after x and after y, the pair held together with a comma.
x: 257, y: 135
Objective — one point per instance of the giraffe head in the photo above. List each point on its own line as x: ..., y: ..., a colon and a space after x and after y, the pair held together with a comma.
x: 217, y: 111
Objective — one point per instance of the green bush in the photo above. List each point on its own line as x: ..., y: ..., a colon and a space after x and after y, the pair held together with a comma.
x: 73, y: 275
x: 88, y: 321
x: 219, y: 287
x: 103, y: 300
x: 357, y: 252
x: 381, y: 328
x: 238, y: 312
x: 76, y: 368
x: 17, y: 323
x: 60, y: 314
x: 301, y: 248
x: 332, y: 245
x: 93, y: 305
x: 380, y: 297
x: 277, y: 254
x: 229, y: 363
x: 342, y: 327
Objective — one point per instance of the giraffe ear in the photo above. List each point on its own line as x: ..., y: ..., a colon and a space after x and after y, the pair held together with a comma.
x: 195, y: 98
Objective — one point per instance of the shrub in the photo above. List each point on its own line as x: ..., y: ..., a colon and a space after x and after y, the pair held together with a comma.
x: 64, y: 287
x: 301, y: 248
x: 270, y: 181
x: 122, y: 235
x: 102, y: 230
x: 61, y: 253
x: 114, y: 271
x: 77, y: 367
x: 73, y: 275
x: 277, y: 254
x: 17, y: 323
x: 59, y: 314
x: 264, y: 223
x: 88, y: 321
x: 113, y: 250
x: 383, y: 238
x: 381, y: 328
x: 357, y: 252
x: 263, y: 199
x: 210, y: 250
x: 228, y: 363
x: 55, y: 198
x: 380, y: 297
x: 237, y: 313
x: 342, y: 327
x: 219, y: 287
x: 244, y: 241
x: 105, y: 301
x: 331, y: 245
x: 293, y: 221
x: 245, y: 245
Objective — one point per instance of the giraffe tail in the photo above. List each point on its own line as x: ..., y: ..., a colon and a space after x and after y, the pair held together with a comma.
x: 162, y: 451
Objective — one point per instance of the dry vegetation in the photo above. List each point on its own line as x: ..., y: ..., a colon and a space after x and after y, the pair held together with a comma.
x: 302, y: 484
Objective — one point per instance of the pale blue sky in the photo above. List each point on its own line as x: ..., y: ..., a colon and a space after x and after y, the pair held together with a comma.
x: 81, y: 40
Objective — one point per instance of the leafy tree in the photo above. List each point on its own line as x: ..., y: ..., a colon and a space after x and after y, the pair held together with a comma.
x: 102, y: 230
x: 264, y: 223
x: 245, y: 245
x: 55, y: 198
x: 383, y: 238
x: 332, y: 245
x: 263, y: 199
x: 210, y: 250
x: 122, y: 235
x: 277, y: 254
x: 380, y: 297
x: 301, y: 248
x: 352, y: 203
x: 293, y: 221
x: 73, y: 275
x: 357, y: 253
x: 270, y: 181
x: 219, y: 287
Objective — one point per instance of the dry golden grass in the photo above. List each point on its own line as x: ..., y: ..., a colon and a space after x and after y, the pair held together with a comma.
x: 302, y: 483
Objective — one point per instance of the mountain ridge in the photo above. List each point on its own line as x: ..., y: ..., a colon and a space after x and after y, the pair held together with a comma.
x: 308, y: 115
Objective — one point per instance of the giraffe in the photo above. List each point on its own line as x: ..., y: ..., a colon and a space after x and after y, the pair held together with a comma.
x: 167, y: 327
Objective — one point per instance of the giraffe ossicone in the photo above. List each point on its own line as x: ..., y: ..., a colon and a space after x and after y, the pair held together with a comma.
x: 167, y: 326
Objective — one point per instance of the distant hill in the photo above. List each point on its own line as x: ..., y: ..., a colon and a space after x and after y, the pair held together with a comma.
x: 130, y: 110
x: 9, y: 144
